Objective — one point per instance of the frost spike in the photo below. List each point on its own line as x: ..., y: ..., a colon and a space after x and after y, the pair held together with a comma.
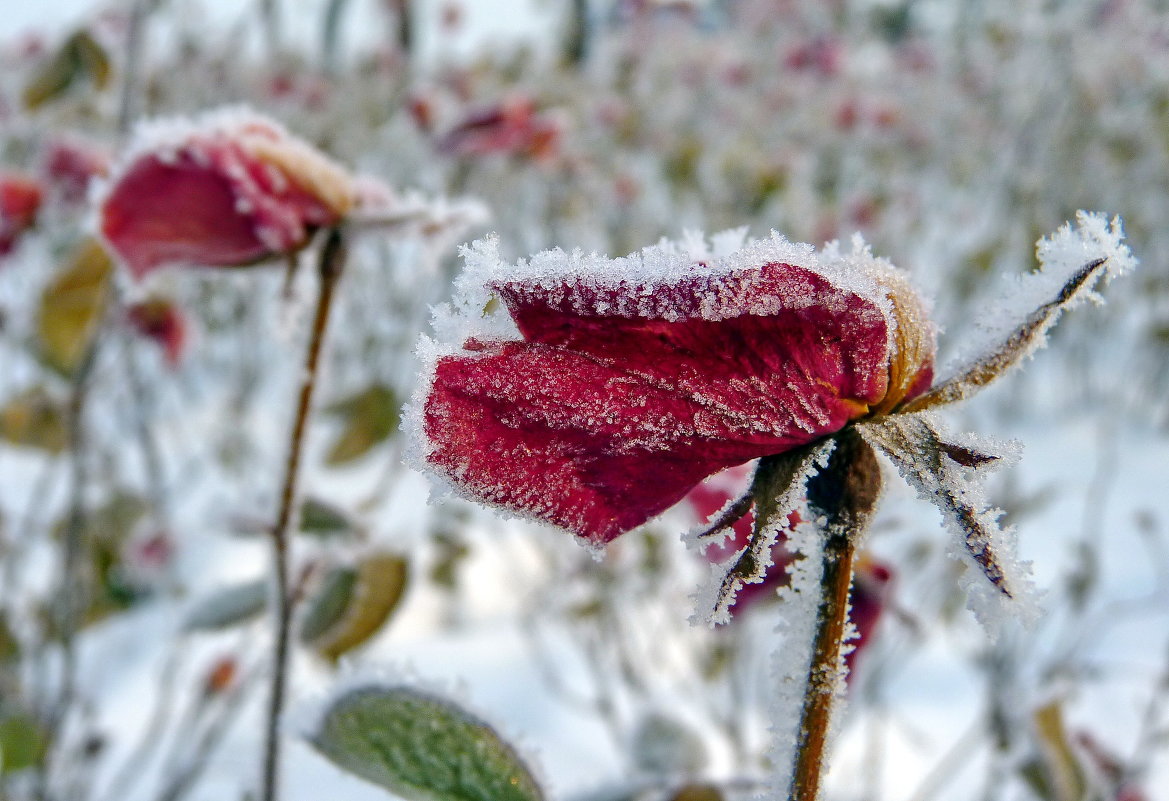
x: 916, y: 448
x: 727, y: 518
x: 1021, y: 343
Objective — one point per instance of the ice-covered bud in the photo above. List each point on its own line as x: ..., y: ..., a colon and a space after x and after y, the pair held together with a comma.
x: 161, y: 321
x: 20, y: 201
x: 633, y: 379
x: 228, y: 189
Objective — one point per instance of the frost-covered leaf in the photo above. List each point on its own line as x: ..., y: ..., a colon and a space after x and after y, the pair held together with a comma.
x: 229, y: 607
x: 922, y: 454
x: 353, y: 603
x: 778, y: 489
x: 370, y: 418
x: 72, y: 306
x: 665, y: 746
x: 1072, y: 263
x: 421, y: 747
x: 33, y: 419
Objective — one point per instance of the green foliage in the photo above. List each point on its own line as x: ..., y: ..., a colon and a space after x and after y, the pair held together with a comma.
x: 34, y: 419
x: 22, y: 742
x: 72, y: 306
x: 370, y: 417
x: 78, y: 58
x: 422, y: 748
x: 353, y: 603
x: 324, y: 520
x: 229, y: 607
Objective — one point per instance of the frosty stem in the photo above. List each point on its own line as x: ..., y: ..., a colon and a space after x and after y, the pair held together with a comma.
x: 332, y: 262
x: 844, y: 494
x: 824, y: 670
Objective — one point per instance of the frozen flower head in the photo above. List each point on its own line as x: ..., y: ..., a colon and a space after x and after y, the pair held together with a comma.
x: 595, y: 393
x: 227, y: 189
x: 628, y: 381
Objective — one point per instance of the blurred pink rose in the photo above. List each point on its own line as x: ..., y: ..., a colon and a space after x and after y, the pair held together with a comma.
x: 161, y: 321
x: 508, y: 127
x: 71, y: 164
x: 20, y: 200
x: 227, y: 190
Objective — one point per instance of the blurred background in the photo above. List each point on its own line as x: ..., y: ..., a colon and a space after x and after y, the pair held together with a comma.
x: 141, y: 426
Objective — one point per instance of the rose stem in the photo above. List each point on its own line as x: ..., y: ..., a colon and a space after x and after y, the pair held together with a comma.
x: 332, y: 262
x: 824, y: 672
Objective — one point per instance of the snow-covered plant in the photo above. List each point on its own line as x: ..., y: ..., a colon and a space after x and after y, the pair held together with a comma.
x: 594, y: 394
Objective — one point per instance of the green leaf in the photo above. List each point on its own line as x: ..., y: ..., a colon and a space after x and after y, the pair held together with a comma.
x: 353, y: 603
x: 370, y: 416
x: 422, y: 747
x: 1065, y: 776
x: 79, y: 56
x: 665, y: 747
x: 72, y: 306
x: 22, y: 743
x: 33, y: 419
x: 9, y: 644
x: 324, y: 520
x: 229, y: 607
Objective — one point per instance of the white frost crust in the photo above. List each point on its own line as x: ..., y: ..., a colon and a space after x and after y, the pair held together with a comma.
x: 638, y: 278
x: 1060, y: 254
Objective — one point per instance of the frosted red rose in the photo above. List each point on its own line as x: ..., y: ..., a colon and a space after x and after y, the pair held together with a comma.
x: 617, y: 385
x: 228, y: 189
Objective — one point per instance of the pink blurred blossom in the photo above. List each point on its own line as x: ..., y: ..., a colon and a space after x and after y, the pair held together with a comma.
x: 20, y: 201
x: 163, y: 322
x: 227, y: 190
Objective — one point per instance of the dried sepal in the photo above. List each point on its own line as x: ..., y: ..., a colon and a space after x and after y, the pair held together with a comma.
x: 1018, y: 345
x: 916, y: 446
x: 709, y: 533
x: 847, y: 490
x: 777, y: 489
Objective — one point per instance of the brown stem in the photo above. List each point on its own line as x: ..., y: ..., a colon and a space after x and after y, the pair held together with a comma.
x: 332, y: 262
x: 825, y: 673
x: 845, y: 493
